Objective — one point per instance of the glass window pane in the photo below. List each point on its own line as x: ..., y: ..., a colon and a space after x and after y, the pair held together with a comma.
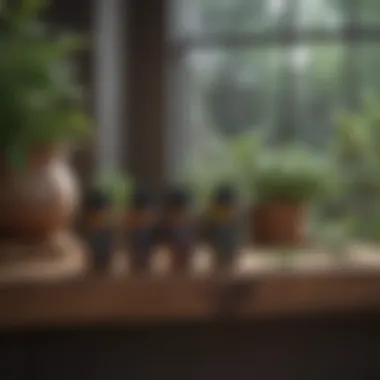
x: 213, y: 16
x: 196, y: 17
x: 320, y: 91
x: 369, y: 12
x: 232, y: 94
x: 322, y: 13
x: 285, y: 93
x: 369, y: 64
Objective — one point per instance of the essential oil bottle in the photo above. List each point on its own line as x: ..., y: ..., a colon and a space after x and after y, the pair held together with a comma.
x: 141, y: 229
x: 99, y: 229
x: 221, y: 225
x: 177, y: 229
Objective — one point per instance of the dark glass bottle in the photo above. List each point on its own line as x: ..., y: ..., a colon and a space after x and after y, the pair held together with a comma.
x: 221, y: 225
x: 141, y: 229
x: 99, y: 231
x: 177, y: 230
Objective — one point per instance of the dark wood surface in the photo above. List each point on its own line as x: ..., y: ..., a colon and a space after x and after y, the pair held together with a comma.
x: 345, y: 347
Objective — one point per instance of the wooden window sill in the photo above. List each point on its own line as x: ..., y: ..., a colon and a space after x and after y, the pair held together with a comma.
x: 175, y: 298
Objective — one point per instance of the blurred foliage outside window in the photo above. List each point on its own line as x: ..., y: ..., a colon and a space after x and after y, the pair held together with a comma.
x: 250, y: 80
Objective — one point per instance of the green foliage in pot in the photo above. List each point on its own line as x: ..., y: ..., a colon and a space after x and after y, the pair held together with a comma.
x: 290, y: 174
x: 40, y: 99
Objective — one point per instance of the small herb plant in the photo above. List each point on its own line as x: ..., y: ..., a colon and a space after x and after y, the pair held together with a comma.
x: 289, y: 174
x: 40, y: 100
x: 117, y: 186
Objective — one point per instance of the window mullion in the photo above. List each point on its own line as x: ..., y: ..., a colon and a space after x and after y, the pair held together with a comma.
x: 351, y: 70
x: 286, y: 112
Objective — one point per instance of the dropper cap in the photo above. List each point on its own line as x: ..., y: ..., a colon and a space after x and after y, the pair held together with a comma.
x: 225, y: 194
x: 177, y: 197
x: 96, y: 200
x: 141, y: 198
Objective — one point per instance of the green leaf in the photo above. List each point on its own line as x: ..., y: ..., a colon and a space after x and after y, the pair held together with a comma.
x: 32, y: 8
x: 117, y: 185
x: 40, y: 97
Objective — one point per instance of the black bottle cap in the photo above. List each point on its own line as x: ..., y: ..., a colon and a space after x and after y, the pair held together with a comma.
x: 96, y: 200
x: 141, y: 198
x: 177, y: 197
x: 225, y: 194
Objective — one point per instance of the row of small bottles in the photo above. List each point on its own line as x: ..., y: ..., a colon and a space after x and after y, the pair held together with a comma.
x: 146, y: 224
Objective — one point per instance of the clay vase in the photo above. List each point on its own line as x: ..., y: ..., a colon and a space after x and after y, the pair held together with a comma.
x: 38, y: 200
x: 278, y: 224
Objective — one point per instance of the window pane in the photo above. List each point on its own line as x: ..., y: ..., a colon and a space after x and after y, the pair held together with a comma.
x: 236, y: 87
x: 370, y: 12
x: 285, y: 93
x: 321, y: 92
x: 231, y: 94
x: 323, y: 13
x: 196, y: 17
x: 213, y: 16
x: 369, y: 63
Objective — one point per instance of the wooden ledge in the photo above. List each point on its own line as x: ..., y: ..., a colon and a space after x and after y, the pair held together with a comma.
x: 145, y: 300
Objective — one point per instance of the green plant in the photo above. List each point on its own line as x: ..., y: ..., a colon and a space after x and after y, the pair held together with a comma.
x: 201, y: 180
x: 356, y: 144
x: 245, y: 149
x: 40, y: 100
x: 118, y: 187
x: 290, y: 174
x: 357, y: 135
x: 356, y: 150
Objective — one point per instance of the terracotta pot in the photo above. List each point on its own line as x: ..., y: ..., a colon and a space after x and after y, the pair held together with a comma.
x: 38, y: 200
x: 278, y: 224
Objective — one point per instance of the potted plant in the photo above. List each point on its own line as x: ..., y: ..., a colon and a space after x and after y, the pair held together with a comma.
x: 41, y: 115
x: 285, y: 181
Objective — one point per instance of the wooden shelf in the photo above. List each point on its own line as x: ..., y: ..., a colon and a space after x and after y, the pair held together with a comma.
x: 145, y: 300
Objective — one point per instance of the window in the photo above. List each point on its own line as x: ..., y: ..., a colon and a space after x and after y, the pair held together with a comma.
x: 281, y: 66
